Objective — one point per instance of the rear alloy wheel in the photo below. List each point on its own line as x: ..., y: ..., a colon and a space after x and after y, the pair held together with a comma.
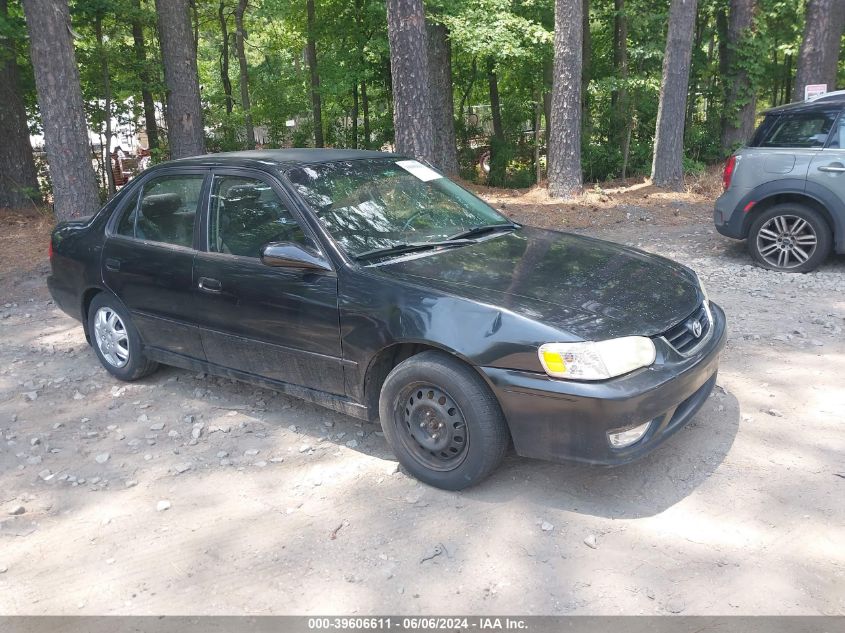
x: 442, y: 421
x: 790, y: 238
x: 115, y: 340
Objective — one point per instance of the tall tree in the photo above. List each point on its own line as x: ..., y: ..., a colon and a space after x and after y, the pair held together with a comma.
x: 442, y: 99
x: 224, y: 57
x: 667, y: 169
x: 62, y: 112
x: 311, y: 57
x: 240, y: 38
x: 565, y: 177
x: 818, y: 57
x: 102, y: 54
x: 412, y: 120
x: 620, y: 116
x: 18, y: 176
x: 178, y: 53
x: 741, y: 97
x: 145, y: 75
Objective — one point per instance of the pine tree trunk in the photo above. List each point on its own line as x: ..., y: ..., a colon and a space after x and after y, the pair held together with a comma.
x: 224, y: 57
x: 240, y: 38
x: 586, y: 71
x: 184, y: 110
x: 495, y: 103
x: 144, y: 74
x: 365, y: 107
x: 62, y: 112
x: 355, y: 110
x: 18, y: 176
x: 620, y: 112
x: 818, y: 57
x: 311, y: 58
x: 442, y: 98
x: 741, y: 97
x: 564, y: 173
x: 667, y: 169
x: 412, y: 120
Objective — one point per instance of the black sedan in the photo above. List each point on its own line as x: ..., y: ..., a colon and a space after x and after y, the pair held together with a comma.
x: 370, y: 284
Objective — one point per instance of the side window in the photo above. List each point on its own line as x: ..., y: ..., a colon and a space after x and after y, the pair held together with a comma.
x: 837, y: 139
x: 246, y: 215
x: 799, y: 130
x: 165, y: 210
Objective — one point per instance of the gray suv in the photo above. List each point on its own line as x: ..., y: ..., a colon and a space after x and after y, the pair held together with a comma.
x: 785, y: 191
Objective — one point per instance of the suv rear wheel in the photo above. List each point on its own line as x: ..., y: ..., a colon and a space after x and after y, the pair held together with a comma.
x: 790, y: 238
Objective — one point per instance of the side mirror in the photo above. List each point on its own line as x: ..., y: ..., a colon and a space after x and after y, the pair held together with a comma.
x: 290, y: 255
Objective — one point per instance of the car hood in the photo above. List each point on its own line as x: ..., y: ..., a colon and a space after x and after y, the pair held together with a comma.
x: 588, y: 288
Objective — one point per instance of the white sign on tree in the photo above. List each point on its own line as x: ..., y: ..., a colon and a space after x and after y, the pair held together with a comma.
x: 814, y: 90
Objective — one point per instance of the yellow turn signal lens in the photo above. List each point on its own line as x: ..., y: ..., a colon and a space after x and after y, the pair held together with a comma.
x: 554, y: 362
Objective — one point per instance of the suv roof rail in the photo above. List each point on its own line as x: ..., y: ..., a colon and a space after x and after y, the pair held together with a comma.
x: 827, y: 95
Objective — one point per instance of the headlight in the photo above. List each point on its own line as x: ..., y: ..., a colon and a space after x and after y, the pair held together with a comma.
x: 597, y: 360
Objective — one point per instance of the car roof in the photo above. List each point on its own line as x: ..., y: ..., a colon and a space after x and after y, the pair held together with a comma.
x: 279, y: 158
x: 832, y: 101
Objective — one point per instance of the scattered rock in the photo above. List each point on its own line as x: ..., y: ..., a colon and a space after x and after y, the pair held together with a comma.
x: 183, y: 467
x: 774, y: 413
x: 17, y: 510
x: 163, y: 505
x: 102, y: 458
x: 251, y: 452
x: 546, y: 526
x: 158, y: 426
x: 590, y: 541
x: 675, y: 605
x: 352, y: 444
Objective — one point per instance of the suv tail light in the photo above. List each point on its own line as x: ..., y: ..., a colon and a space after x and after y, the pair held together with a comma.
x: 728, y: 174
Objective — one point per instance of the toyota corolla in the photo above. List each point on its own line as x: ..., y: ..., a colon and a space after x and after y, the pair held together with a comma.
x: 370, y: 284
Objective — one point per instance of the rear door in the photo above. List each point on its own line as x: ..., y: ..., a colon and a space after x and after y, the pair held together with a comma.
x: 148, y: 258
x: 828, y: 166
x: 277, y: 323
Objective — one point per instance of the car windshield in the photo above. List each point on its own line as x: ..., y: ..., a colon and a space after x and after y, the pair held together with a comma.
x: 376, y: 205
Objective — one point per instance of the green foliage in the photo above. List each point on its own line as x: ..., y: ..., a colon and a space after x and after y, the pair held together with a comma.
x: 353, y: 54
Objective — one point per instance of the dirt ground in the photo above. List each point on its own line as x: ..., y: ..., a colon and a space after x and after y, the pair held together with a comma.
x: 189, y: 494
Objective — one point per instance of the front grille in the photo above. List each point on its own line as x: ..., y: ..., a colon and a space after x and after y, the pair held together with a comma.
x: 682, y: 337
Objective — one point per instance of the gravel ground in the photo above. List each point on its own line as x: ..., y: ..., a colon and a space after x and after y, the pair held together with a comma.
x: 190, y: 494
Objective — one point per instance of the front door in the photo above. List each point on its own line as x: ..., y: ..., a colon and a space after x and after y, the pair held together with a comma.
x: 148, y: 259
x: 277, y: 323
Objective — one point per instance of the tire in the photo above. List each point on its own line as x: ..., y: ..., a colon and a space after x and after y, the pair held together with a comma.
x: 442, y: 421
x: 115, y: 339
x: 774, y: 242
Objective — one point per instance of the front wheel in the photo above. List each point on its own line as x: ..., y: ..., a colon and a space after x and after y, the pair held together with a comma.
x: 442, y: 421
x: 115, y: 339
x: 790, y: 238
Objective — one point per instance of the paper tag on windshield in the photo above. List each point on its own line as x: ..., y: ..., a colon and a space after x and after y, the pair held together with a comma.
x: 419, y: 170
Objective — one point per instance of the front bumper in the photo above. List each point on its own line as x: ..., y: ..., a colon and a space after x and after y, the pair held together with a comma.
x: 562, y: 420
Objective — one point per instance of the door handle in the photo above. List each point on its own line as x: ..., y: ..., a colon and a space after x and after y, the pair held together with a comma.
x: 212, y: 286
x: 834, y: 167
x: 112, y: 264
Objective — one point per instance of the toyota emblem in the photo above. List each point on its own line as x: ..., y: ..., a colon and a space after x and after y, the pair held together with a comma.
x: 695, y: 328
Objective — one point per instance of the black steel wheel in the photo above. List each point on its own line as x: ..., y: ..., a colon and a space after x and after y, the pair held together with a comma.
x: 442, y: 421
x: 435, y: 432
x: 790, y: 238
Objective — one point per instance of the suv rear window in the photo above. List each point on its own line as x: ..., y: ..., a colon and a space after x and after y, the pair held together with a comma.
x: 808, y: 129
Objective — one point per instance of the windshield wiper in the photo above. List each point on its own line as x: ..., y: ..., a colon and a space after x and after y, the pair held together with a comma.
x: 484, y: 228
x: 410, y: 247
